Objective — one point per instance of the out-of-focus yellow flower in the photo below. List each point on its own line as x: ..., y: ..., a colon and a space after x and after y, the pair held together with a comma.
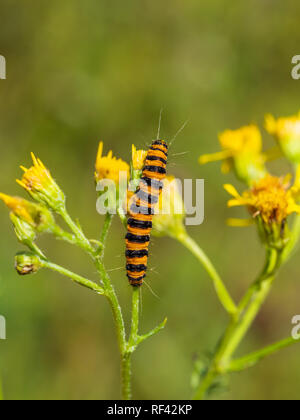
x: 39, y: 183
x: 169, y: 211
x: 287, y: 133
x: 270, y: 201
x: 241, y: 151
x: 27, y: 263
x: 138, y: 158
x: 109, y: 167
x: 271, y: 198
x: 37, y: 216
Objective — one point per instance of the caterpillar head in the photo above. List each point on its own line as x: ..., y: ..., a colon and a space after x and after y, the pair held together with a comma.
x: 160, y: 143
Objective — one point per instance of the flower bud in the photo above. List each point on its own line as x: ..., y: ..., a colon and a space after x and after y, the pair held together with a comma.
x: 287, y: 133
x: 37, y: 216
x: 137, y: 165
x: 24, y: 232
x: 169, y: 212
x: 241, y: 152
x: 27, y: 263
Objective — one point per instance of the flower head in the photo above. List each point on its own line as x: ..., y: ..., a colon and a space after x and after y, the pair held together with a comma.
x: 27, y: 263
x: 39, y: 183
x: 169, y: 211
x: 241, y: 151
x: 37, y: 216
x: 109, y: 167
x: 287, y: 133
x: 270, y: 201
x: 138, y: 158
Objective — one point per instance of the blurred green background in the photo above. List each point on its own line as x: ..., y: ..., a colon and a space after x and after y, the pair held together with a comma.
x: 79, y: 72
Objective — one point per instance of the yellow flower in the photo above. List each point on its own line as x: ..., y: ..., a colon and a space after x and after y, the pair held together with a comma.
x: 109, y: 167
x: 38, y: 217
x: 138, y: 158
x: 39, y: 183
x: 271, y: 198
x: 241, y: 151
x: 287, y: 133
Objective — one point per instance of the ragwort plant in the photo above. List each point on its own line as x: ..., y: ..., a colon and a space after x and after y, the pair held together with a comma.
x: 270, y: 200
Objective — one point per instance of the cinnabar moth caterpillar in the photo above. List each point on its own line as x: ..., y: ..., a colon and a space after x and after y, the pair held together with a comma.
x: 139, y: 224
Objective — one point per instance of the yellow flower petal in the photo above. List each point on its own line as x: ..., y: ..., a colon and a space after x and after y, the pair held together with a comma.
x: 239, y: 222
x: 231, y: 190
x: 236, y: 202
x: 138, y: 158
x: 109, y: 167
x: 213, y: 157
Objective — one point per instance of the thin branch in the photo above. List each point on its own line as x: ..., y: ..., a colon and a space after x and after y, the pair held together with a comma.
x: 253, y: 358
x: 73, y: 276
x: 220, y: 288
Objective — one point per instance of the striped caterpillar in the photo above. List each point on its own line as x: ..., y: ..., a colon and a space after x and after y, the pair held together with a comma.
x: 139, y: 224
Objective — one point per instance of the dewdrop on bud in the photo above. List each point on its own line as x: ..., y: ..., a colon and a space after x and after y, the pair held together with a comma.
x: 27, y: 263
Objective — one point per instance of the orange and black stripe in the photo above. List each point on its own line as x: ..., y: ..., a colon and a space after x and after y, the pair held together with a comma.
x: 139, y: 224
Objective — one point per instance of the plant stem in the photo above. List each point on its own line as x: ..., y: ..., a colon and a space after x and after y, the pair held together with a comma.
x: 253, y: 358
x: 220, y: 288
x: 109, y: 291
x: 75, y: 277
x: 288, y: 251
x: 135, y: 314
x: 241, y: 322
x: 126, y: 377
x: 114, y: 303
x: 131, y: 346
x: 1, y: 391
x: 81, y: 239
x: 107, y: 224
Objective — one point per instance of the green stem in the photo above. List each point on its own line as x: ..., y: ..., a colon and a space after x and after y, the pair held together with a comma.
x: 135, y: 315
x: 253, y: 358
x: 107, y: 224
x: 114, y: 303
x: 1, y: 391
x: 289, y: 249
x: 220, y: 288
x: 155, y: 330
x: 59, y: 233
x: 107, y: 285
x: 75, y: 277
x: 131, y: 346
x: 126, y: 376
x: 241, y: 322
x: 81, y: 239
